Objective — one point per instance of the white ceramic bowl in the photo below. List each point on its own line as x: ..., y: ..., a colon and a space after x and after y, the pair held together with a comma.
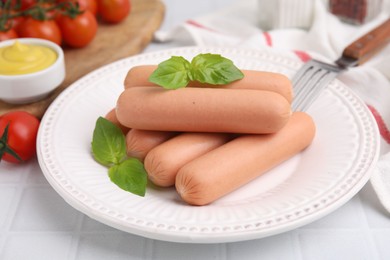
x: 27, y: 88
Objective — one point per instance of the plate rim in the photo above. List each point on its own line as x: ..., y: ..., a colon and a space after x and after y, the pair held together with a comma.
x: 195, y: 237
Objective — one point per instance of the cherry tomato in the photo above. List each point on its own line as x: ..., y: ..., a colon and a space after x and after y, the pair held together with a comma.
x: 50, y: 12
x: 89, y: 5
x: 21, y: 137
x: 21, y: 5
x: 113, y: 11
x: 13, y: 22
x: 26, y: 4
x: 79, y: 31
x: 16, y: 22
x: 6, y: 35
x: 46, y: 29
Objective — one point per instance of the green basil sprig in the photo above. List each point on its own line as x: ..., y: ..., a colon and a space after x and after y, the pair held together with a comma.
x: 109, y: 149
x: 177, y: 72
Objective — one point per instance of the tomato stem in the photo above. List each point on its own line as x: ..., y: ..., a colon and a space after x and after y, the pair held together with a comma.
x: 73, y: 10
x: 5, y: 16
x: 4, y: 148
x: 38, y: 11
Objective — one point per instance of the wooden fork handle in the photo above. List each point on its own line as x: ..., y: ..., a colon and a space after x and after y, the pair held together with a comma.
x: 367, y: 45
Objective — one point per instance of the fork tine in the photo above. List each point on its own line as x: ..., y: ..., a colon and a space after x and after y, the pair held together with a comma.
x: 309, y: 82
x: 311, y: 94
x: 302, y: 71
x: 300, y: 79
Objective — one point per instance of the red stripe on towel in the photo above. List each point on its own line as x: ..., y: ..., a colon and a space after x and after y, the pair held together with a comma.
x: 268, y: 39
x: 196, y: 24
x: 303, y: 56
x: 383, y: 130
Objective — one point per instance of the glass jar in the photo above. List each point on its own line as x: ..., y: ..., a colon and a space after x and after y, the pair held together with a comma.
x: 355, y: 11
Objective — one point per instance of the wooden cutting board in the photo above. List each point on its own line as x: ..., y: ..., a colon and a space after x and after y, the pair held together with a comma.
x: 112, y: 42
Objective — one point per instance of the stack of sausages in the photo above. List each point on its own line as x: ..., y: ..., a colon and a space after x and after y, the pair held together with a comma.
x: 209, y: 140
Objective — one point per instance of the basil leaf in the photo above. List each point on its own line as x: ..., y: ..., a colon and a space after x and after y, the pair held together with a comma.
x: 108, y: 143
x: 214, y: 69
x: 172, y: 73
x: 130, y: 176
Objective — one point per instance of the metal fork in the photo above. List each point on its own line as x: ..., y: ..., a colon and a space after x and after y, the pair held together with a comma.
x: 313, y: 77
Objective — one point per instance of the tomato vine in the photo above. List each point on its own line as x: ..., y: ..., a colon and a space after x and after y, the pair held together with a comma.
x: 60, y: 21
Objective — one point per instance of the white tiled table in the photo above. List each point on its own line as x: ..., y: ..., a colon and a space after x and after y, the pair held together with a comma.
x: 36, y: 223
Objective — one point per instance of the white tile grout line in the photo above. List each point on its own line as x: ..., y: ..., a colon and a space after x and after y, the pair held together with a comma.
x: 20, y: 187
x: 294, y: 234
x: 76, y: 235
x: 222, y: 251
x: 148, y: 250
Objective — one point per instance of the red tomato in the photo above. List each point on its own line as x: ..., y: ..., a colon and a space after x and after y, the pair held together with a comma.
x: 6, y: 35
x: 113, y: 11
x: 16, y: 22
x: 22, y: 135
x: 89, y: 5
x: 79, y: 31
x: 49, y: 14
x: 21, y: 5
x: 26, y: 4
x: 13, y: 22
x: 47, y: 29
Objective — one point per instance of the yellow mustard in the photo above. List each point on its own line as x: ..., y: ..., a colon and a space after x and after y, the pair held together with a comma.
x: 19, y: 58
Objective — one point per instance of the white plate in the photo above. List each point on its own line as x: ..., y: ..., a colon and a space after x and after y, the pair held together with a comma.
x: 303, y: 189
